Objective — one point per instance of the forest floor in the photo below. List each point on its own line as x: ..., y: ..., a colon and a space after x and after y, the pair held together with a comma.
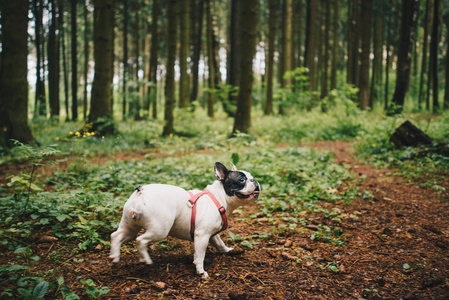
x: 396, y: 247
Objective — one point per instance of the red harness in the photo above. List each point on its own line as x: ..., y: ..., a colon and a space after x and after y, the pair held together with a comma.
x: 221, y: 210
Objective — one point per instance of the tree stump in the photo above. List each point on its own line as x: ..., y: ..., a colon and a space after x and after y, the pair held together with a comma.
x: 409, y: 135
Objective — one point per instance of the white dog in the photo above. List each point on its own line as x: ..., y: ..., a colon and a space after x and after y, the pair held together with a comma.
x: 195, y: 215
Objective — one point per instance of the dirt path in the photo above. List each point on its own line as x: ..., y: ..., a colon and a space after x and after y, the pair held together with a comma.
x: 397, y: 247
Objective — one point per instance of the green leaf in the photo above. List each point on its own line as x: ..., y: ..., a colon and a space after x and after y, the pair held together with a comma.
x: 60, y: 280
x: 21, y: 250
x: 247, y: 244
x: 406, y: 266
x: 41, y: 289
x: 235, y: 158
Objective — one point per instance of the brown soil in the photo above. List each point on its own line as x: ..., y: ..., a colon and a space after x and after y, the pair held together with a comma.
x: 397, y: 247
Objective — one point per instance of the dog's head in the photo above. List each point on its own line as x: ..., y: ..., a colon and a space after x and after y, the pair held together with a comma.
x: 237, y: 183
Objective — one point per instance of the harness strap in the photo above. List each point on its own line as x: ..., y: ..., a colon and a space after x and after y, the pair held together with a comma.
x: 193, y: 199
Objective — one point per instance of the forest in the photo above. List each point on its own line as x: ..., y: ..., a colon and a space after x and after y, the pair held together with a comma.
x: 339, y: 108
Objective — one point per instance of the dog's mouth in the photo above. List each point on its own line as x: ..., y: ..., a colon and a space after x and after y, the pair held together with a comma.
x: 251, y: 196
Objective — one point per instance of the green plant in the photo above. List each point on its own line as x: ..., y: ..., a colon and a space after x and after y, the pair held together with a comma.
x: 91, y: 288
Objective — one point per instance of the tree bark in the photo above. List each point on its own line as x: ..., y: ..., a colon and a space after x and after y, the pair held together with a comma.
x: 287, y: 41
x: 64, y: 61
x: 125, y: 59
x: 366, y: 13
x: 334, y: 44
x: 424, y: 53
x: 234, y: 52
x: 184, y: 54
x: 210, y: 59
x: 310, y: 44
x: 40, y: 105
x: 86, y: 59
x: 170, y: 76
x: 13, y: 74
x: 324, y: 85
x: 101, y: 102
x: 53, y: 63
x: 406, y: 38
x: 434, y: 55
x: 248, y: 38
x: 152, y: 90
x: 446, y: 71
x: 273, y: 5
x: 74, y: 61
x: 197, y: 51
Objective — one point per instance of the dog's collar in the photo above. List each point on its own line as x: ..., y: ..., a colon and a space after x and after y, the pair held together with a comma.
x: 221, y: 210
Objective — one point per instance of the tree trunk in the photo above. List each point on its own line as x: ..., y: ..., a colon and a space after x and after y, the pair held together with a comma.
x: 406, y: 38
x: 13, y: 73
x: 197, y: 51
x: 310, y: 44
x: 366, y: 13
x: 234, y: 54
x: 210, y: 58
x: 324, y: 86
x: 446, y: 71
x: 64, y: 62
x: 86, y: 60
x: 152, y: 90
x: 424, y: 53
x: 53, y: 63
x: 248, y: 37
x: 170, y: 76
x: 125, y: 59
x: 74, y: 61
x: 184, y: 54
x: 101, y: 101
x: 40, y: 106
x: 287, y: 41
x: 334, y: 44
x: 273, y: 5
x: 387, y: 61
x: 434, y: 55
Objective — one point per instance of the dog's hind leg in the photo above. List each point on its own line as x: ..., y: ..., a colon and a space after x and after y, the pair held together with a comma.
x: 218, y: 243
x: 142, y: 244
x: 122, y: 235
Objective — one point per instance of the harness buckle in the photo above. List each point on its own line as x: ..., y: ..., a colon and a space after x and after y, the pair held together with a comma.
x: 222, y: 210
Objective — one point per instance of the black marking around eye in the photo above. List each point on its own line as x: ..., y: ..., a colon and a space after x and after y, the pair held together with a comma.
x: 232, y: 182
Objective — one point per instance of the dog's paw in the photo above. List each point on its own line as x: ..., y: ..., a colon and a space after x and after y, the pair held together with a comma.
x: 146, y: 261
x: 114, y: 259
x: 204, y: 275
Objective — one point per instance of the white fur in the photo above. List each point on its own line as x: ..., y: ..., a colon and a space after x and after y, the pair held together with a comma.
x: 163, y: 210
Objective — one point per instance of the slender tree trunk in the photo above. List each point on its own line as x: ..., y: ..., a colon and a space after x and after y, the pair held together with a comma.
x: 366, y: 13
x: 334, y: 44
x: 134, y: 109
x: 153, y: 58
x: 53, y: 63
x: 210, y: 58
x: 234, y: 54
x: 434, y: 55
x: 74, y: 61
x: 387, y: 61
x: 86, y: 60
x: 273, y: 5
x: 406, y: 38
x: 40, y: 106
x: 324, y: 86
x: 310, y: 46
x: 64, y: 62
x: 197, y: 51
x: 125, y: 58
x: 446, y: 71
x: 13, y: 73
x: 287, y: 47
x: 170, y: 76
x: 101, y: 101
x: 248, y: 38
x: 424, y: 53
x: 184, y: 54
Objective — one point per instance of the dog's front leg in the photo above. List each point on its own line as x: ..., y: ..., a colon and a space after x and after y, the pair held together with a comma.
x: 200, y: 245
x: 218, y: 243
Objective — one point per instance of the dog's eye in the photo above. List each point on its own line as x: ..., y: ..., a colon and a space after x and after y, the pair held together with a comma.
x: 242, y: 180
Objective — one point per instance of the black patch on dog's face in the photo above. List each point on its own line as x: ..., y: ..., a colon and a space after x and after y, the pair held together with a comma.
x: 234, y: 181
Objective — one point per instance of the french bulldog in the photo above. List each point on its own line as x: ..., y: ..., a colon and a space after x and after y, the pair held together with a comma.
x: 165, y: 210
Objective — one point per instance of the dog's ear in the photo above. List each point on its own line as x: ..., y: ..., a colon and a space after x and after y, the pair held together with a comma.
x: 234, y: 168
x: 220, y: 171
